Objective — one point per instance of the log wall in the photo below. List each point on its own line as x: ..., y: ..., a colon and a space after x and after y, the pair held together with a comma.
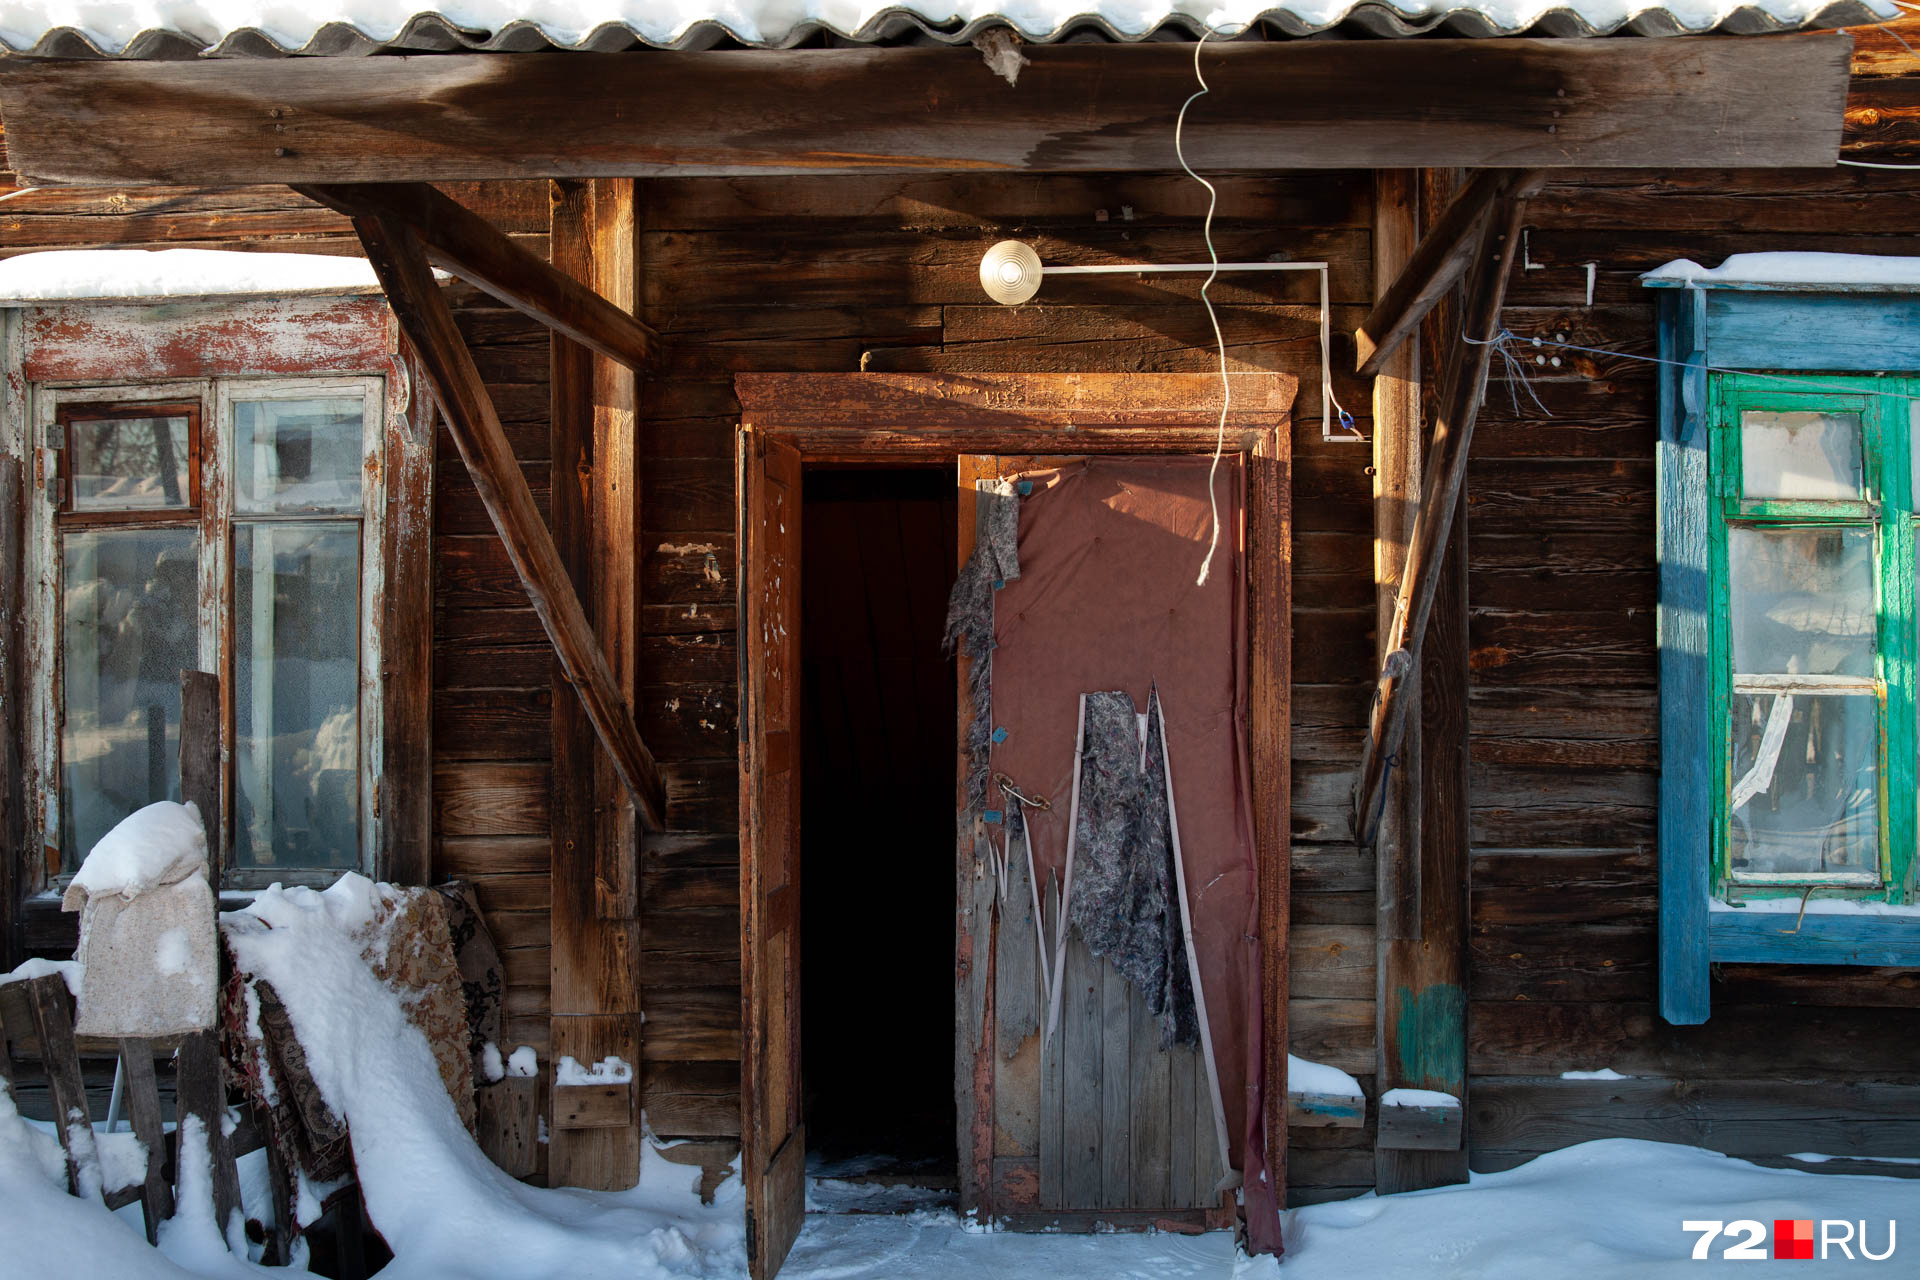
x: 1565, y: 717
x: 878, y: 273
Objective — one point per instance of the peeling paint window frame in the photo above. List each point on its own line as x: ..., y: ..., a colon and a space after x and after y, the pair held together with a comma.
x: 41, y: 409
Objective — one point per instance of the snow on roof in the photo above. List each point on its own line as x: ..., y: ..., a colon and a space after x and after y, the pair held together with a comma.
x: 175, y: 28
x: 1834, y: 271
x: 124, y: 275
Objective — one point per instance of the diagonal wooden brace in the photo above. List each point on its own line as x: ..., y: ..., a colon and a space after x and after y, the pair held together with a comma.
x: 400, y: 260
x: 1438, y: 262
x: 1468, y: 359
x: 460, y: 241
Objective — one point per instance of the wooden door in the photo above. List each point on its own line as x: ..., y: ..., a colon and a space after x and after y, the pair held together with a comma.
x: 1097, y: 1125
x: 773, y: 1137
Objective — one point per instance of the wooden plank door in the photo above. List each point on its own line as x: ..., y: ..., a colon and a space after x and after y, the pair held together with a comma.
x: 1098, y: 1125
x: 772, y: 1136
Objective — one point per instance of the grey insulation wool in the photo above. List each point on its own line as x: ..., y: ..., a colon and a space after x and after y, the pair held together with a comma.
x: 995, y: 560
x: 1126, y: 899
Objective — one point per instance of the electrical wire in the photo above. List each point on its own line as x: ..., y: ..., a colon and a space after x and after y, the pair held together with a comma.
x: 1213, y: 317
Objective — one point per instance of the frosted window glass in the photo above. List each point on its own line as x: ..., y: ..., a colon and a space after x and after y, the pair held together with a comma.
x: 296, y: 682
x: 130, y: 464
x: 1805, y: 785
x: 1807, y: 456
x: 297, y: 455
x: 128, y: 628
x: 1801, y: 601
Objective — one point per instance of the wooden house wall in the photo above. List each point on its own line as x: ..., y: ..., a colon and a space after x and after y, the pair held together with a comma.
x: 1565, y: 718
x: 882, y: 274
x: 879, y: 273
x: 834, y: 274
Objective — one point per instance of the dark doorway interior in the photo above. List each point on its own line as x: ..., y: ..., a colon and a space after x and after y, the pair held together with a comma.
x: 877, y: 803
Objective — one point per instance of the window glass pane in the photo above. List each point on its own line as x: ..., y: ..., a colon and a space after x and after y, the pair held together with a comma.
x: 296, y: 678
x: 1805, y: 785
x: 297, y: 455
x: 130, y: 464
x: 128, y: 628
x: 1810, y: 456
x: 1801, y: 601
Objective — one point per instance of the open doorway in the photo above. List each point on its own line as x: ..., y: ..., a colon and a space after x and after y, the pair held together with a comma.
x: 876, y: 845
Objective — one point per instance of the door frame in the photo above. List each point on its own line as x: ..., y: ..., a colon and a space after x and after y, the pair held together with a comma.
x: 894, y: 418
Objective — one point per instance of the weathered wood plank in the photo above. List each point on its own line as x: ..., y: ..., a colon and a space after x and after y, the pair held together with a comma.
x: 1578, y: 103
x: 1115, y: 1003
x: 1738, y: 1117
x: 401, y: 264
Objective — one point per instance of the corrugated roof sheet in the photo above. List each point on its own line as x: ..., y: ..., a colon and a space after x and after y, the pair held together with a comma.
x: 268, y: 28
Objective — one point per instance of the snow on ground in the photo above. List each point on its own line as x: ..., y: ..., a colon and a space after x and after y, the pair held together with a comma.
x: 1609, y: 1210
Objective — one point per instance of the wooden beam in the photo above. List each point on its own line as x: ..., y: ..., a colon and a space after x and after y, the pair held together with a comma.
x: 462, y: 242
x: 1396, y: 504
x: 1707, y: 102
x: 1446, y: 474
x: 401, y: 263
x: 594, y: 978
x: 1436, y: 265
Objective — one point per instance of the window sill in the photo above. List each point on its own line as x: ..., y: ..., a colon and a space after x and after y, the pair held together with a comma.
x: 1768, y: 937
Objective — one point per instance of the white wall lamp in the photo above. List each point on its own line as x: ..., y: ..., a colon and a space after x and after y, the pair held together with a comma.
x: 1011, y: 272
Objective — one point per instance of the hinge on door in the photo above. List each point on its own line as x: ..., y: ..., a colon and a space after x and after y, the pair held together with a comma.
x: 55, y: 437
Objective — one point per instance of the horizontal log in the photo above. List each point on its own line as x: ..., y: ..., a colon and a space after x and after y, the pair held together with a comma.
x: 491, y: 799
x: 1589, y: 964
x: 1739, y: 1042
x: 1336, y: 1032
x: 926, y: 203
x: 692, y: 1099
x: 1079, y: 107
x: 473, y: 857
x: 1736, y: 1117
x: 1333, y: 962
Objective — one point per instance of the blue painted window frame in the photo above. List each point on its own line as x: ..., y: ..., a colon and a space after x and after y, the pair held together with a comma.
x: 1814, y: 329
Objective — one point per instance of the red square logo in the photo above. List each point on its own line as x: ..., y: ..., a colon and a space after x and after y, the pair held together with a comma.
x: 1793, y: 1238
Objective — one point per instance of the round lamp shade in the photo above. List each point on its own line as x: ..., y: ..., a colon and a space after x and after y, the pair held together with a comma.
x: 1010, y: 273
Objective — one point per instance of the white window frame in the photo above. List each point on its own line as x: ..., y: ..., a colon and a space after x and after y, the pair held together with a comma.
x: 216, y: 397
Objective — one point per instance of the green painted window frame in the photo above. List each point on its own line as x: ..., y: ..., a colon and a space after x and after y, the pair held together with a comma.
x: 1888, y: 511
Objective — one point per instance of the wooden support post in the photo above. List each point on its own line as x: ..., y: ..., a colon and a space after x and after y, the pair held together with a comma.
x: 1444, y: 481
x: 143, y: 1110
x: 1436, y: 265
x: 405, y: 811
x: 52, y: 1009
x: 595, y: 928
x: 200, y: 726
x: 1421, y: 998
x: 1396, y: 503
x: 425, y: 318
x: 200, y: 1089
x: 460, y: 241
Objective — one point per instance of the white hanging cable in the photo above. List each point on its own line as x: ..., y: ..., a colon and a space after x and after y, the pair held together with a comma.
x: 1213, y: 316
x: 1219, y: 342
